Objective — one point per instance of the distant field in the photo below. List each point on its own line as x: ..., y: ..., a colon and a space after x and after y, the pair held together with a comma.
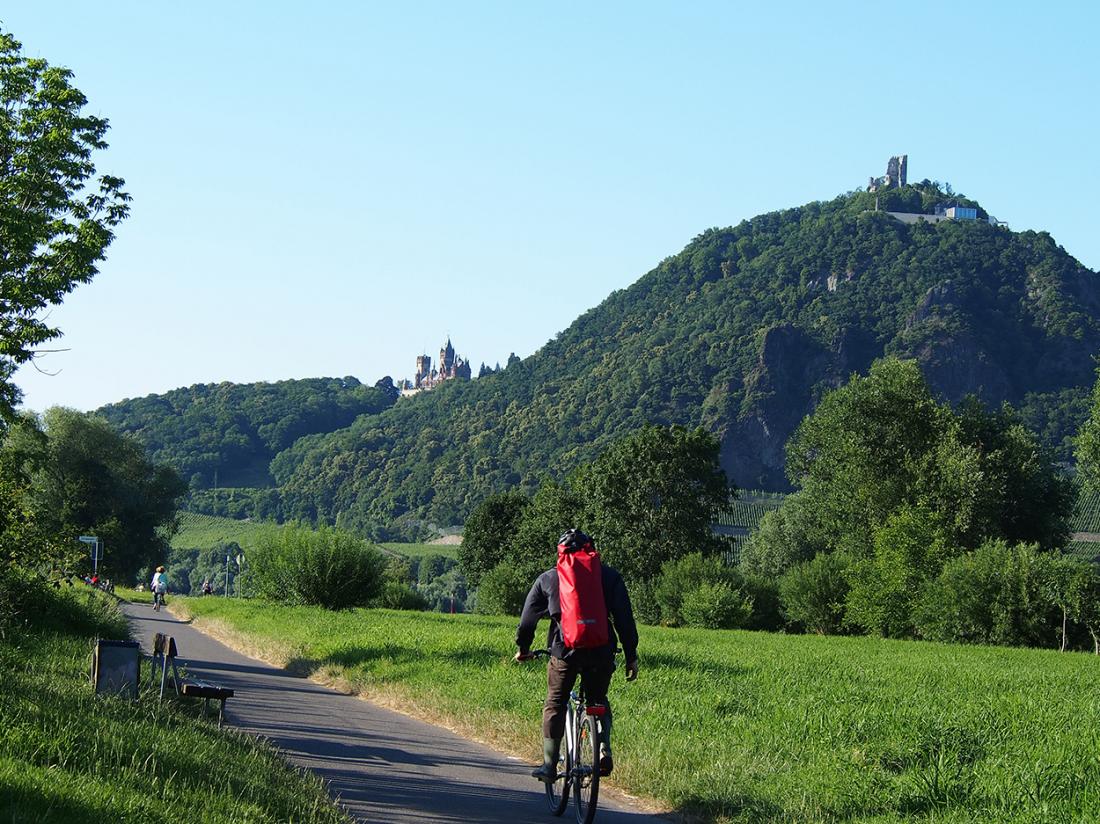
x: 419, y: 550
x: 203, y: 531
x: 747, y: 727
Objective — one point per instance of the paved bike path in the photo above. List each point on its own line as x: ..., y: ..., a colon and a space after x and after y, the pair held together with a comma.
x: 382, y: 765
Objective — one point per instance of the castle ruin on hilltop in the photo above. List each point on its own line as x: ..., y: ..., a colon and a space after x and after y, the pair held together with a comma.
x: 451, y: 367
x: 897, y: 171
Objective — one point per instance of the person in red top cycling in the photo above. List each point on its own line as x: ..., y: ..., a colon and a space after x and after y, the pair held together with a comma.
x: 594, y: 666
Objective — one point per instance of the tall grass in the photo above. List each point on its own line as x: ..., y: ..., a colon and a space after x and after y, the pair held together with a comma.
x: 749, y: 727
x: 68, y: 756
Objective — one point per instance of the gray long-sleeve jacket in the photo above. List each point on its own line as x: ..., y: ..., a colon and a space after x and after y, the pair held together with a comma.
x: 543, y: 601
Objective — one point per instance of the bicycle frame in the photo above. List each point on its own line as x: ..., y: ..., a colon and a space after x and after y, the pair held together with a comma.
x: 581, y: 773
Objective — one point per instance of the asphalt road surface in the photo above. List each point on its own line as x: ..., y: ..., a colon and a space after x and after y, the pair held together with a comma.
x: 382, y: 766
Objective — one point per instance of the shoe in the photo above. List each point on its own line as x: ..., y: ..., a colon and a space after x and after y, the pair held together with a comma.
x: 547, y: 775
x: 607, y: 764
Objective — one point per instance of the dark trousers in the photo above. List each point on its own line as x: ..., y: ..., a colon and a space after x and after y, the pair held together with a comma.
x: 560, y: 677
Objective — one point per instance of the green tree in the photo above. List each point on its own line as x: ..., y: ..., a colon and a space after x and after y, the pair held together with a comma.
x: 652, y: 496
x: 865, y: 450
x: 908, y: 550
x: 554, y: 509
x: 882, y: 443
x: 785, y: 537
x: 681, y: 577
x: 997, y: 594
x: 1088, y: 442
x: 489, y: 534
x: 85, y: 478
x: 56, y: 218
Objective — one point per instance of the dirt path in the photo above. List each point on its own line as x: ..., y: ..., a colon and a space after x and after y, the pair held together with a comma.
x: 383, y: 766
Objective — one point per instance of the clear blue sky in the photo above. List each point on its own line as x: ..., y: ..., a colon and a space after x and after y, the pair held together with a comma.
x: 331, y: 188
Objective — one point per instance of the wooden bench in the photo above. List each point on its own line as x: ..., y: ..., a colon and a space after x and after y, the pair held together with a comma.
x: 207, y: 692
x: 164, y: 652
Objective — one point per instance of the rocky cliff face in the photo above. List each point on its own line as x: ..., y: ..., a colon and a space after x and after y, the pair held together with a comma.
x: 792, y: 371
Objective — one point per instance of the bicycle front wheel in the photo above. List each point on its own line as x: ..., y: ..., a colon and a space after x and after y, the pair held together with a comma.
x: 586, y: 770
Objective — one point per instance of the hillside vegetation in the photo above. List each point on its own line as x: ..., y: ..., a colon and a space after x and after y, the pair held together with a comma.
x: 746, y: 727
x: 741, y: 333
x: 225, y: 434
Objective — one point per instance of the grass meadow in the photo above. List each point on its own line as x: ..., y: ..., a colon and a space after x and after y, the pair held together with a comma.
x: 739, y: 726
x: 67, y: 756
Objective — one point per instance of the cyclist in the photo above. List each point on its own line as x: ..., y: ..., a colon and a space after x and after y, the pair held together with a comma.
x: 594, y: 666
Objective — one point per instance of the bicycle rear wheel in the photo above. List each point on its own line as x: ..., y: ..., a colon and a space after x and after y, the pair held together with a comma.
x: 586, y: 772
x: 557, y: 794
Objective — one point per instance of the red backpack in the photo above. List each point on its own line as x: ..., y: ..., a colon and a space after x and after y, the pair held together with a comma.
x: 580, y: 590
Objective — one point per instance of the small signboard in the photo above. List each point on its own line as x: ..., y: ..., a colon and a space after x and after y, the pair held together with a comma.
x: 96, y: 548
x: 115, y: 668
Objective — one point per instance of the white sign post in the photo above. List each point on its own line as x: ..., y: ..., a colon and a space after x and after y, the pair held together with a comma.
x: 96, y: 550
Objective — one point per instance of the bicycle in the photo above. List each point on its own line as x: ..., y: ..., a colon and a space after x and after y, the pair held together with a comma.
x: 579, y: 762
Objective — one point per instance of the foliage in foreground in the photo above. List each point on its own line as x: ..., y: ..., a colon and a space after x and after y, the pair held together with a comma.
x: 67, y: 756
x: 754, y: 727
x: 898, y: 485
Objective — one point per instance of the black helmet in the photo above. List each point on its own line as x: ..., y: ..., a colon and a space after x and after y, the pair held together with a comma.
x: 573, y: 540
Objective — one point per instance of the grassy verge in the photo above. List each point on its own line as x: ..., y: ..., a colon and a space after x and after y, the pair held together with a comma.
x: 746, y: 727
x: 68, y: 756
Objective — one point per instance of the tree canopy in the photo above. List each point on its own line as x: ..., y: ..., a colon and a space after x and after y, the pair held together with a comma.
x: 651, y: 497
x: 57, y: 218
x: 83, y: 478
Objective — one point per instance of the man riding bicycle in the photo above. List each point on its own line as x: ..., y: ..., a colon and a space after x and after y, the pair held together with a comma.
x: 594, y: 665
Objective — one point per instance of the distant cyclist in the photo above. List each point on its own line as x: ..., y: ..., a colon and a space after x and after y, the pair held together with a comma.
x: 594, y: 665
x: 159, y: 586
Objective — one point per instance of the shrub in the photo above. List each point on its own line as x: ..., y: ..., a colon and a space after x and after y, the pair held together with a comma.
x: 767, y: 612
x: 997, y: 594
x: 685, y: 575
x: 399, y: 595
x: 644, y: 603
x: 503, y: 590
x: 326, y: 568
x: 813, y: 592
x: 907, y: 551
x: 786, y: 536
x: 716, y: 605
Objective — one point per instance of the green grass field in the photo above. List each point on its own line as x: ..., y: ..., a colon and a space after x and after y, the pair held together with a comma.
x: 67, y: 756
x: 748, y: 727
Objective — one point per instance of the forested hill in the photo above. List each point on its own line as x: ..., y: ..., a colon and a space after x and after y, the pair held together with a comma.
x: 227, y: 433
x: 740, y: 332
